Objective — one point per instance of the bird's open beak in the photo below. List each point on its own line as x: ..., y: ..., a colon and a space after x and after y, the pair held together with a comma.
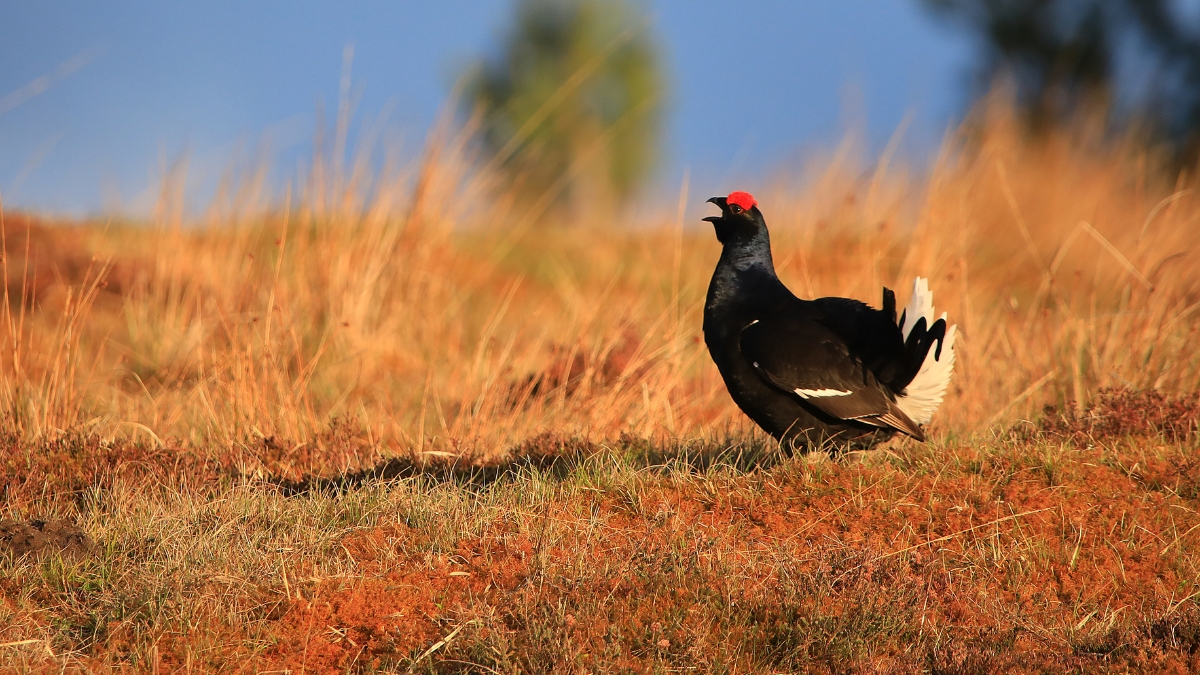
x: 719, y: 201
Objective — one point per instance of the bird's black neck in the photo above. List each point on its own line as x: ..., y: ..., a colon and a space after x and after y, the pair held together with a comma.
x: 743, y: 282
x: 751, y: 255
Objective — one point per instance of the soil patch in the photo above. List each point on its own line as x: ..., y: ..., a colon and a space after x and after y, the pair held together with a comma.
x: 38, y: 536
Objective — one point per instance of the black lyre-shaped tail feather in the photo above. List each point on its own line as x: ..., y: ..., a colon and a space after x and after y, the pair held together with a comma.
x: 920, y: 340
x: 889, y: 304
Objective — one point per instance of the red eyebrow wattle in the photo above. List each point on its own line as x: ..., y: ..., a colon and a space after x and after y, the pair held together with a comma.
x: 742, y: 199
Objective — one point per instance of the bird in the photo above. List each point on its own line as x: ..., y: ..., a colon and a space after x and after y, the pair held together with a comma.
x: 830, y: 373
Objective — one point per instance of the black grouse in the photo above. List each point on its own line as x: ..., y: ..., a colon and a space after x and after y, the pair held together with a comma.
x: 830, y: 372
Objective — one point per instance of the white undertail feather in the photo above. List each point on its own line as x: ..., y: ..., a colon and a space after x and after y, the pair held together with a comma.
x: 925, y: 393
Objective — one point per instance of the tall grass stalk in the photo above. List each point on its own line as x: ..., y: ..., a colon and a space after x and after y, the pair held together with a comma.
x: 432, y: 316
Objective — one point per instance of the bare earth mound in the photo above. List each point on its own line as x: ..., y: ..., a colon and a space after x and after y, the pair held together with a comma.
x: 39, y: 536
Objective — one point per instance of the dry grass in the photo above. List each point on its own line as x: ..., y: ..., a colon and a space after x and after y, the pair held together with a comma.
x: 426, y: 314
x: 400, y: 425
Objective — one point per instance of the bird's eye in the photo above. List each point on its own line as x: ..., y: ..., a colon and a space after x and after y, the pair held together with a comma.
x: 735, y: 209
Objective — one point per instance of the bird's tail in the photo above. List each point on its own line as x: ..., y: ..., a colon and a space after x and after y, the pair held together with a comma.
x: 925, y: 392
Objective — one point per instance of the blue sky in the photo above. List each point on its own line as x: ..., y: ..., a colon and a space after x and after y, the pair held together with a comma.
x: 96, y: 97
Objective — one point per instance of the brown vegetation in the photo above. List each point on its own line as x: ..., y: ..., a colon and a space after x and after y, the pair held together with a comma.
x: 1019, y: 555
x: 1121, y: 412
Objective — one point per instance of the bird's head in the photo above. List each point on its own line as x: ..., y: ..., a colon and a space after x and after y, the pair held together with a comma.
x: 740, y: 220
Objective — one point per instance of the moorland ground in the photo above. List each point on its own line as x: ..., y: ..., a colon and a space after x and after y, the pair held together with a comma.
x: 404, y: 423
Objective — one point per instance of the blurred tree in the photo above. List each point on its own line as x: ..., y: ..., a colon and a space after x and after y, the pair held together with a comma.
x: 1143, y: 55
x: 573, y: 104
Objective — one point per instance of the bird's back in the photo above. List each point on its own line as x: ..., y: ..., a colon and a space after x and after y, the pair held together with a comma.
x: 870, y: 334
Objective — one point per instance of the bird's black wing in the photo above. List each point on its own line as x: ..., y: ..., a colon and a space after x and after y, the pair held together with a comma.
x: 870, y: 334
x: 875, y: 337
x: 808, y: 360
